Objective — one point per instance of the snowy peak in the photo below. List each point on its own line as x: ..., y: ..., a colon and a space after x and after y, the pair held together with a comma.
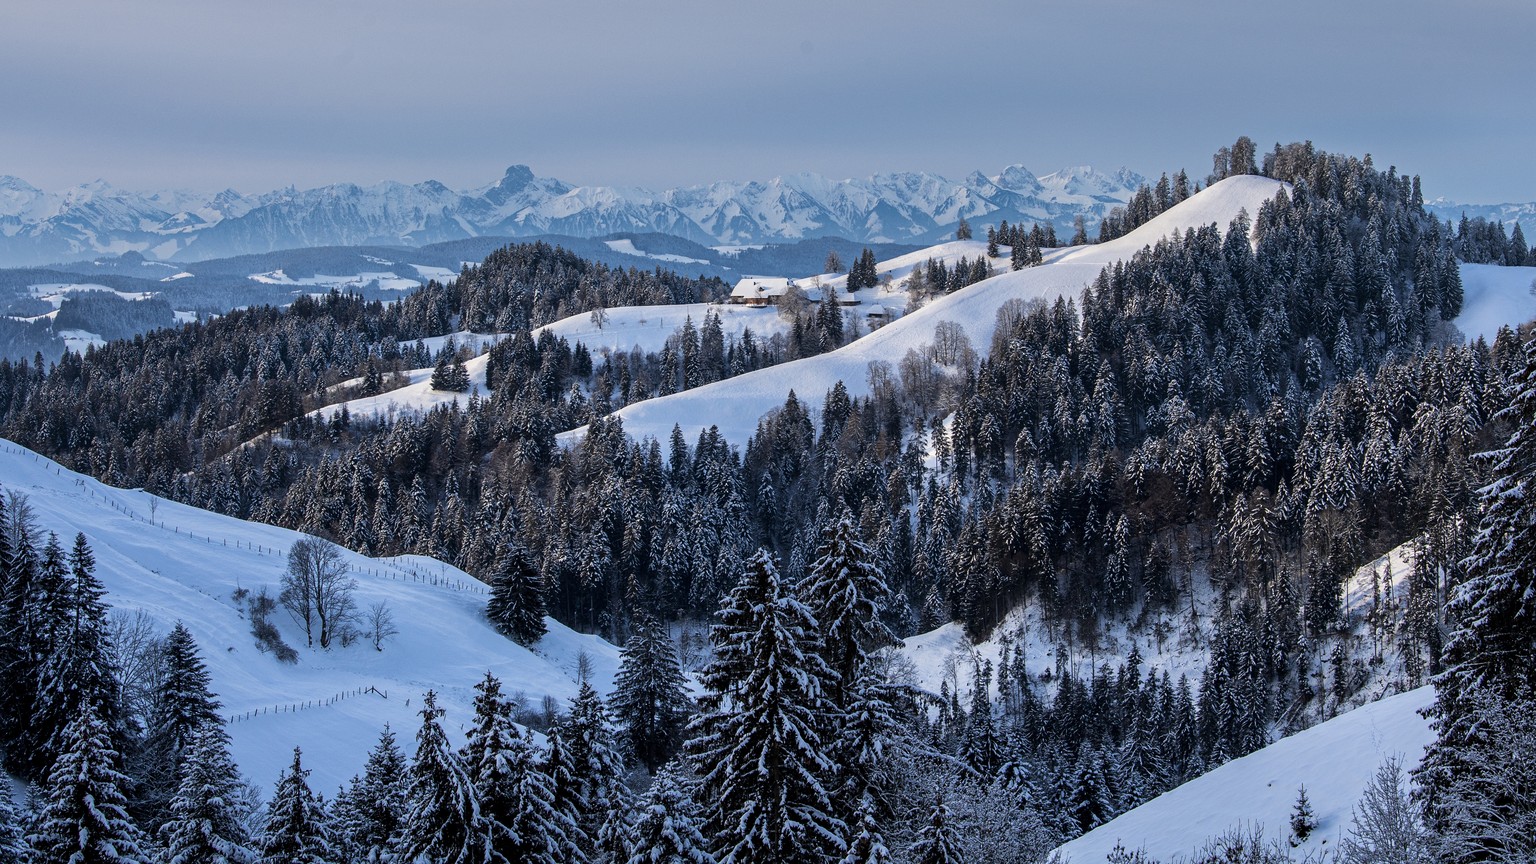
x: 1017, y: 178
x: 903, y: 206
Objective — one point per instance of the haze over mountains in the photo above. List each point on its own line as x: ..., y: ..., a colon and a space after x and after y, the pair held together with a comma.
x: 39, y: 227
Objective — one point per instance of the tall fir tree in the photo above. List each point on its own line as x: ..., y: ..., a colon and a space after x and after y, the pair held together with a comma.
x: 184, y: 706
x: 206, y: 824
x: 516, y: 800
x: 667, y: 830
x: 369, y: 815
x: 650, y: 696
x: 1489, y: 666
x: 757, y: 745
x: 592, y: 791
x: 846, y: 591
x: 85, y: 811
x: 78, y: 670
x: 516, y: 606
x: 297, y: 829
x: 443, y: 824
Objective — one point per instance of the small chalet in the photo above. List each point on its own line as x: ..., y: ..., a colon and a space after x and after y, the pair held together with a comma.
x: 760, y: 290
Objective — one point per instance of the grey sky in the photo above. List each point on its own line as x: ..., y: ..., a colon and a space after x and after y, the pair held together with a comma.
x: 256, y: 95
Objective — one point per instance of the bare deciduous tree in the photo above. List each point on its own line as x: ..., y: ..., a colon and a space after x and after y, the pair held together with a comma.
x: 381, y: 624
x: 317, y: 590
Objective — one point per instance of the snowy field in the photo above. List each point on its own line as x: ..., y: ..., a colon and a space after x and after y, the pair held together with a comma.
x: 1334, y: 760
x: 185, y: 566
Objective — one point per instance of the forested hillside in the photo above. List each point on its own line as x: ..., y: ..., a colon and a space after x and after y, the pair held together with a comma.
x: 1202, y: 446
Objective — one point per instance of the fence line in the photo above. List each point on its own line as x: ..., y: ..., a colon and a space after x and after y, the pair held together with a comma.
x: 294, y: 707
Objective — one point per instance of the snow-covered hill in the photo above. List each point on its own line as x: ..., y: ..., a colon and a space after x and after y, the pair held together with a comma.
x: 1334, y: 760
x: 186, y: 564
x: 736, y: 404
x: 40, y: 227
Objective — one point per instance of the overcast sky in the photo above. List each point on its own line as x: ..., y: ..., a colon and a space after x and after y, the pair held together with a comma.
x: 257, y: 95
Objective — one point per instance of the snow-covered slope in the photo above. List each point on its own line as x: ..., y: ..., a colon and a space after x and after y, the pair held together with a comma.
x: 736, y: 404
x: 185, y: 566
x: 1334, y: 760
x: 647, y: 327
x: 1495, y: 296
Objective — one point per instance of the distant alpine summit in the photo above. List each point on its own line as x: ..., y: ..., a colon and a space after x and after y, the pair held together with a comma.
x: 39, y: 227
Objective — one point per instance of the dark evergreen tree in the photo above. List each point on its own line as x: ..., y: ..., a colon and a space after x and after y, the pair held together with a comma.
x: 595, y: 797
x: 757, y: 744
x: 297, y: 829
x: 183, y: 708
x: 667, y: 830
x: 206, y: 823
x: 846, y: 592
x: 443, y: 822
x: 1489, y: 666
x: 650, y: 696
x: 516, y: 606
x: 516, y: 801
x: 371, y: 812
x: 84, y: 815
x: 937, y: 842
x: 1303, y: 819
x: 866, y: 845
x: 13, y: 843
x: 78, y: 671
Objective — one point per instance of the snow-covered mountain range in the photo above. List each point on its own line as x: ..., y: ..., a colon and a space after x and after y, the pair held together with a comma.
x: 38, y: 227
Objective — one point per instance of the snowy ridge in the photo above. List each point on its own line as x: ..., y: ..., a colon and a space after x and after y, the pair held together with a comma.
x: 38, y: 227
x: 734, y: 405
x: 185, y: 565
x: 1334, y: 760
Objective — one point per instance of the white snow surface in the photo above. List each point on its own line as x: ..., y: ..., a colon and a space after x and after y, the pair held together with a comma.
x: 185, y: 565
x: 736, y: 404
x: 647, y: 327
x: 1334, y: 760
x: 627, y: 247
x: 1494, y: 296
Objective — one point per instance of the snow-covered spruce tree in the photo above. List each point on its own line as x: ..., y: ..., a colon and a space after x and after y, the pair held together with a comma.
x: 22, y: 648
x: 650, y: 697
x: 516, y: 607
x: 866, y: 845
x: 79, y: 670
x: 297, y: 830
x: 183, y: 707
x: 206, y: 823
x: 369, y: 814
x: 443, y: 823
x: 757, y: 745
x: 85, y: 816
x: 516, y: 801
x: 846, y: 591
x: 589, y: 784
x: 667, y: 830
x: 937, y: 843
x: 1490, y: 668
x: 13, y: 841
x: 1303, y: 820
